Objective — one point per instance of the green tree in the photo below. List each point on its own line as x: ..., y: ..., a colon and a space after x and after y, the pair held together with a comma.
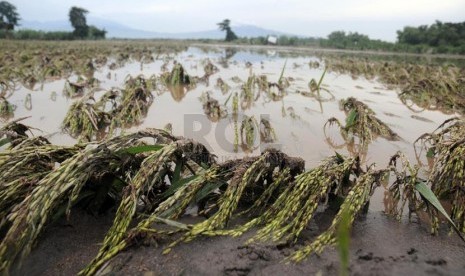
x: 9, y: 17
x: 96, y: 33
x: 225, y: 26
x: 77, y: 17
x: 440, y: 34
x: 337, y: 39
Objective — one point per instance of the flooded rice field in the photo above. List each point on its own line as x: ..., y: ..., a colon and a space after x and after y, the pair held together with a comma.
x: 296, y: 114
x: 237, y: 102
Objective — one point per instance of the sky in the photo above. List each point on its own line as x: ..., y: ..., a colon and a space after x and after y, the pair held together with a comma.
x: 380, y: 19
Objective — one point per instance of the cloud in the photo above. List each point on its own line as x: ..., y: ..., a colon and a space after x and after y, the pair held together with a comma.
x: 401, y: 8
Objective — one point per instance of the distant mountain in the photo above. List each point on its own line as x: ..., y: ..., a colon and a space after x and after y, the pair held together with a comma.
x: 240, y: 30
x: 56, y: 25
x: 117, y: 30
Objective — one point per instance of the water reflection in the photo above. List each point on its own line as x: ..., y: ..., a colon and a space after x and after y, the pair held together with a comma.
x: 178, y: 92
x: 28, y: 102
x: 227, y: 55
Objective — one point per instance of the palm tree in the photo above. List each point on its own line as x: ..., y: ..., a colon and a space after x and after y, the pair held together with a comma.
x: 77, y: 17
x: 9, y: 17
x: 224, y: 26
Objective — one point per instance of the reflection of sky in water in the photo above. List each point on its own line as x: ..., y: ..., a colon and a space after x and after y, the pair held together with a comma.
x: 257, y: 53
x: 240, y: 54
x: 237, y: 54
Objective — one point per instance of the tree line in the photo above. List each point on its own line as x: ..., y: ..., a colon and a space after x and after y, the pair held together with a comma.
x: 9, y: 19
x: 443, y: 36
x: 438, y: 38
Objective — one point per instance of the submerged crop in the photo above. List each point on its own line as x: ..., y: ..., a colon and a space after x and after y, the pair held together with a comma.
x: 153, y: 178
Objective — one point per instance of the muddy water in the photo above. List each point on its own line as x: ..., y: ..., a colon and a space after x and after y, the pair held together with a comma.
x: 298, y: 120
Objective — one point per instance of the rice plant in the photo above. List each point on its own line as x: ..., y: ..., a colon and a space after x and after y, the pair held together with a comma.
x: 222, y: 85
x: 362, y: 123
x: 14, y: 132
x: 153, y: 177
x: 84, y: 119
x: 280, y: 198
x: 59, y: 188
x: 247, y: 95
x: 248, y: 131
x: 409, y: 188
x: 177, y: 76
x: 436, y: 93
x: 150, y: 177
x: 136, y: 99
x: 210, y: 69
x: 267, y: 133
x: 77, y: 89
x: 6, y: 108
x: 89, y: 119
x: 274, y: 186
x: 428, y: 86
x: 447, y: 146
x: 23, y: 166
x: 212, y: 108
x: 353, y: 204
x: 316, y: 86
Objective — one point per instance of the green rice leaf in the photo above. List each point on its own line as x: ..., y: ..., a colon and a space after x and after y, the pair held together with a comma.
x: 282, y: 72
x: 173, y: 223
x: 227, y: 100
x: 428, y: 195
x: 350, y: 120
x: 177, y: 171
x: 141, y: 149
x: 4, y: 141
x: 61, y: 210
x: 321, y: 79
x: 343, y: 238
x: 339, y: 156
x: 117, y: 188
x: 430, y: 153
x: 207, y: 189
x: 178, y: 184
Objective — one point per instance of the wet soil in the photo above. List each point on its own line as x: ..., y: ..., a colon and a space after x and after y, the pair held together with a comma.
x: 379, y: 246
